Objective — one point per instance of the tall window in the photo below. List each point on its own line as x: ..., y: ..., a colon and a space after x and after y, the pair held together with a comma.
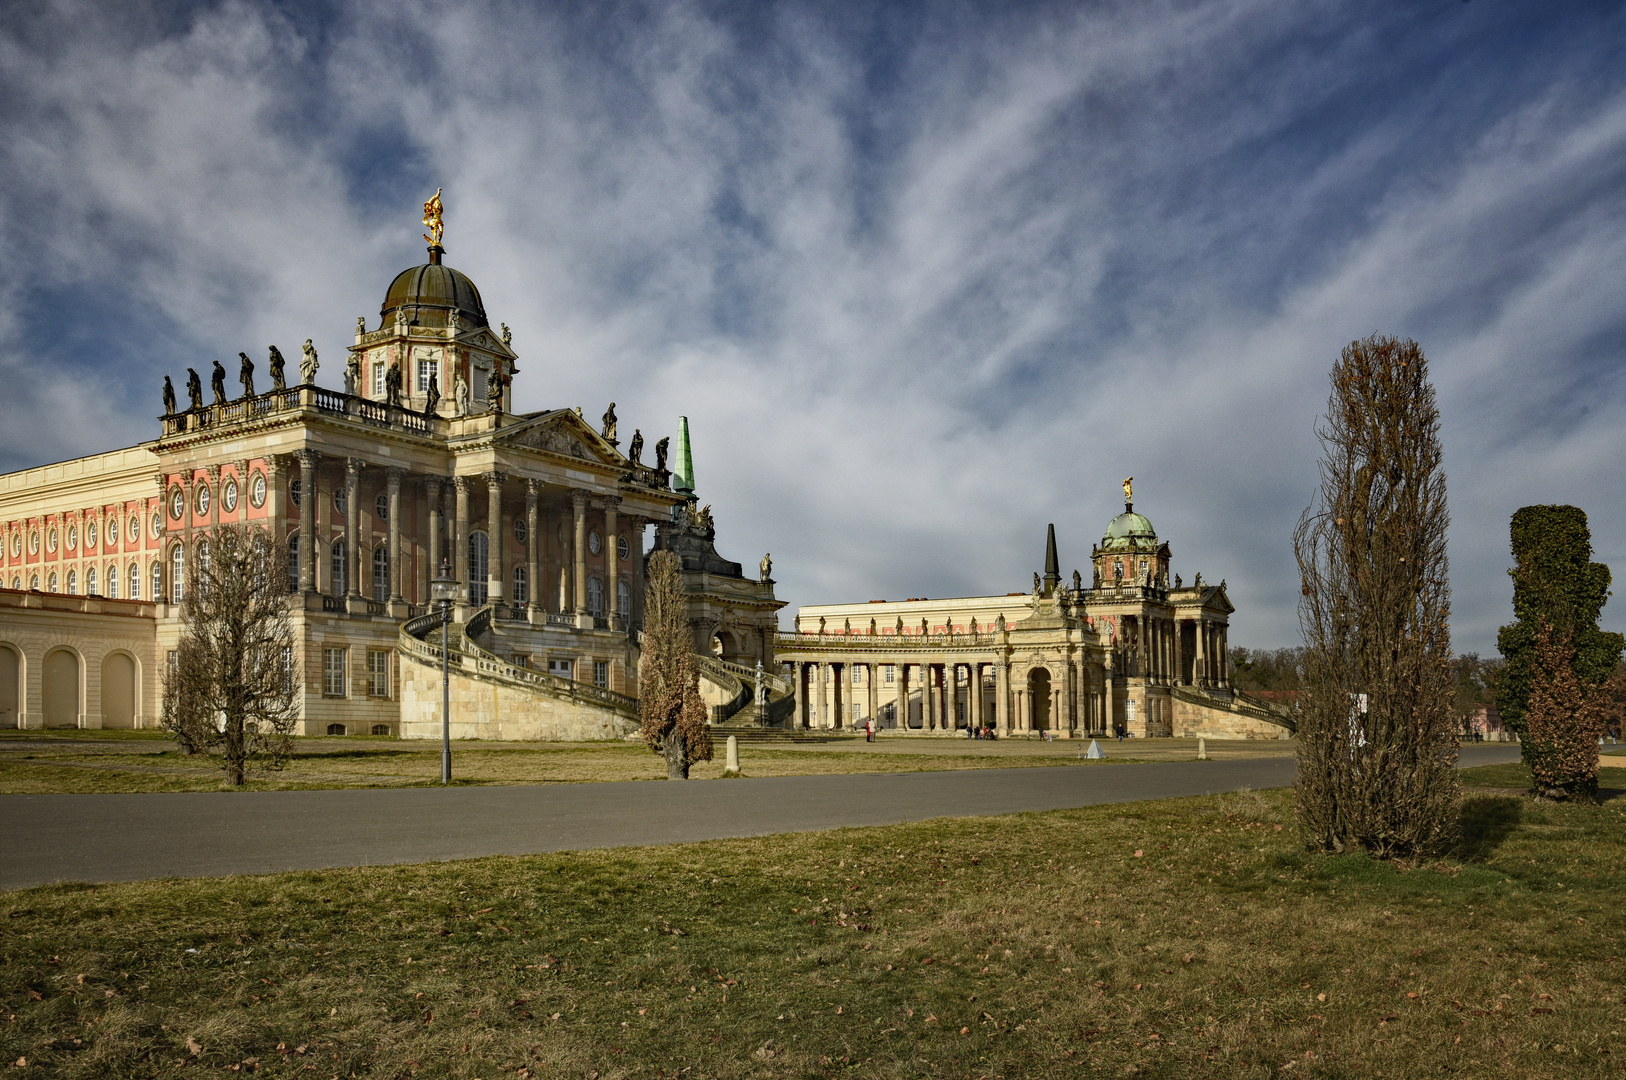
x: 112, y: 583
x: 203, y: 560
x: 381, y: 573
x: 426, y: 368
x: 135, y: 581
x: 378, y: 382
x: 623, y: 598
x: 595, y: 596
x: 522, y: 585
x: 601, y: 674
x: 90, y: 582
x: 157, y: 579
x: 53, y: 581
x: 177, y: 574
x: 341, y: 569
x: 293, y: 563
x: 378, y: 673
x: 891, y: 672
x: 73, y: 583
x: 479, y: 564
x: 333, y: 672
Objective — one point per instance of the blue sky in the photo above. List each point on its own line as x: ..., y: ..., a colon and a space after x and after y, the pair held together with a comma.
x: 923, y: 277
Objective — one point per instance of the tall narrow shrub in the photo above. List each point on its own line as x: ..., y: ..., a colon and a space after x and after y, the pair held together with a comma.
x: 1376, y: 742
x: 1562, y: 720
x: 672, y: 712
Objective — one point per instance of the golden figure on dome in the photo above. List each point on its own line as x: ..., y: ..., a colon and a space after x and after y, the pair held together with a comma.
x: 1129, y: 488
x: 431, y: 219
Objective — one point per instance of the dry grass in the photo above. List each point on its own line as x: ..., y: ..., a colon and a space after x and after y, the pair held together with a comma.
x: 75, y: 762
x: 1181, y: 938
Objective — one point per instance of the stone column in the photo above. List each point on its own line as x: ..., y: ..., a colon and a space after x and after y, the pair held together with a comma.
x: 1109, y: 696
x: 533, y: 540
x: 900, y: 699
x: 838, y: 694
x: 352, y: 517
x: 1002, y: 696
x: 307, y: 518
x: 1224, y: 656
x: 460, y: 540
x: 951, y: 692
x: 612, y: 560
x: 578, y: 502
x: 1199, y: 670
x: 276, y: 512
x: 799, y: 688
x: 495, y: 579
x: 819, y: 695
x: 873, y: 700
x: 214, y: 473
x: 437, y: 523
x: 392, y: 488
x: 1179, y: 654
x: 241, y: 466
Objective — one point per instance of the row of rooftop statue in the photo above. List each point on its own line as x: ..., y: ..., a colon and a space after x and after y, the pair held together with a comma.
x: 307, y: 376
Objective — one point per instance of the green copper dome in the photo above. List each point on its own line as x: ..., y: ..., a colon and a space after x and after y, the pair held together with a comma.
x: 1129, y: 531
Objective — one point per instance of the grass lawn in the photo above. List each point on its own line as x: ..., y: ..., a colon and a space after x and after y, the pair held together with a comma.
x: 1180, y: 938
x: 34, y: 762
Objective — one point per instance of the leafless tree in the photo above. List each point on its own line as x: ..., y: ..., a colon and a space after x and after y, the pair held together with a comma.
x: 672, y: 712
x: 1376, y: 744
x: 231, y: 688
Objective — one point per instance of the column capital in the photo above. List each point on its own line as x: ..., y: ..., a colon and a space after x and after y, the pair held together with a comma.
x: 579, y: 497
x: 494, y: 477
x: 463, y: 484
x: 308, y: 459
x: 533, y: 487
x: 353, y: 466
x: 610, y: 502
x: 394, y: 475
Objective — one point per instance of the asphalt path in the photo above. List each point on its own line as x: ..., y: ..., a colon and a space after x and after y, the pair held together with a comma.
x: 98, y: 838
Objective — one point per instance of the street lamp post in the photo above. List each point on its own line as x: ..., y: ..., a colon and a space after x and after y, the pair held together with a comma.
x: 443, y: 590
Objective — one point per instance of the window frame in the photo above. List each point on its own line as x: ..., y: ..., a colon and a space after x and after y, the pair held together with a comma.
x: 378, y: 673
x: 335, y: 661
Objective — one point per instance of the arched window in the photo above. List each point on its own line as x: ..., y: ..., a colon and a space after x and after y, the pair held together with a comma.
x: 90, y: 582
x: 479, y: 565
x: 203, y: 567
x: 113, y: 582
x: 177, y: 574
x: 335, y: 729
x: 381, y: 573
x: 522, y: 585
x: 53, y: 581
x: 623, y: 598
x: 157, y: 580
x: 595, y: 596
x: 34, y: 583
x: 73, y: 583
x: 341, y: 569
x: 293, y: 563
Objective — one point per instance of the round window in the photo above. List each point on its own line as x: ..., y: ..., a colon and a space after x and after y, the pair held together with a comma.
x: 73, y: 537
x: 595, y: 543
x: 135, y: 527
x: 201, y: 499
x: 177, y: 503
x: 520, y: 530
x: 16, y: 544
x: 50, y: 542
x: 157, y: 524
x: 228, y: 496
x: 256, y: 491
x: 90, y: 534
x: 381, y: 507
x: 621, y: 548
x: 34, y: 542
x: 340, y: 502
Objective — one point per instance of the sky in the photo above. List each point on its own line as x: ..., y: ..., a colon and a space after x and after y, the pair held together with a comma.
x: 924, y: 278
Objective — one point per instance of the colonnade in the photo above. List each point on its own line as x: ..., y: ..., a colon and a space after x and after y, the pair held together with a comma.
x: 1157, y: 651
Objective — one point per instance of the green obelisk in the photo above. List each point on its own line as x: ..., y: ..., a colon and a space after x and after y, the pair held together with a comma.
x: 683, y: 475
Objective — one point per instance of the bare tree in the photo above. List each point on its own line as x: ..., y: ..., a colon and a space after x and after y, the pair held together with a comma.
x: 1376, y: 744
x: 232, y: 686
x: 672, y: 712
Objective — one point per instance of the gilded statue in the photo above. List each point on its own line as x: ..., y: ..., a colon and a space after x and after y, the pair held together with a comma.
x: 1129, y: 488
x: 275, y: 363
x: 307, y: 364
x: 432, y: 211
x: 245, y: 373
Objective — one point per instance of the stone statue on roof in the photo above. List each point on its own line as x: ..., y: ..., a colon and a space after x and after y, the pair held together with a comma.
x: 275, y: 365
x: 635, y: 449
x: 609, y: 425
x: 169, y: 397
x: 431, y: 401
x: 245, y: 374
x: 766, y: 566
x: 217, y: 383
x: 194, y: 388
x: 308, y: 364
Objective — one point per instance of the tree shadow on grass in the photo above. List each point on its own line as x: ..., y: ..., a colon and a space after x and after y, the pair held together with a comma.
x: 1486, y: 821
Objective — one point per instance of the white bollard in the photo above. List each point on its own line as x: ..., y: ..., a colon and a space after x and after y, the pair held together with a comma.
x: 1202, y: 749
x: 731, y: 765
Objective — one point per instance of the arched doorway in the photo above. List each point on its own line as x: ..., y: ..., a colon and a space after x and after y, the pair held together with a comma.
x: 11, y: 671
x: 61, y: 689
x: 118, y: 691
x: 1039, y: 696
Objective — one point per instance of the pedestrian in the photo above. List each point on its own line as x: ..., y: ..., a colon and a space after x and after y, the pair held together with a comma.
x: 869, y: 730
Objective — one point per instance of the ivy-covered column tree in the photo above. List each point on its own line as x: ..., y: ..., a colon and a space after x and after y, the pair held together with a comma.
x: 1552, y: 687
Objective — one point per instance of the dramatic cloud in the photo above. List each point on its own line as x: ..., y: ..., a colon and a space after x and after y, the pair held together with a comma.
x: 923, y: 278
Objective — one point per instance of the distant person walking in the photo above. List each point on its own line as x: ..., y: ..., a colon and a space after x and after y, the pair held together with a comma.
x: 869, y: 730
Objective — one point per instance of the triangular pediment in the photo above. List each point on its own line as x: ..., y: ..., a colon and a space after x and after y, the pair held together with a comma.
x: 564, y: 433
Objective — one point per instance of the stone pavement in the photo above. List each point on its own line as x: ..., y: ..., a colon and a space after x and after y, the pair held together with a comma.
x: 134, y: 837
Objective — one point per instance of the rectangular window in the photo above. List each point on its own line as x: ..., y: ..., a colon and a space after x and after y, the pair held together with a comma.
x: 601, y: 674
x: 426, y: 368
x: 891, y: 673
x: 378, y: 673
x: 378, y: 382
x: 174, y: 662
x: 479, y: 387
x: 333, y: 661
x: 858, y: 675
x: 560, y: 668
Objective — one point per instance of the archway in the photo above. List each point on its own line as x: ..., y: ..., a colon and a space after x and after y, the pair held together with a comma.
x: 724, y: 646
x: 61, y: 689
x: 118, y: 691
x: 1039, y: 696
x: 11, y: 671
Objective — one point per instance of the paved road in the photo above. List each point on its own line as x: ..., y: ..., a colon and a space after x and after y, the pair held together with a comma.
x: 134, y: 837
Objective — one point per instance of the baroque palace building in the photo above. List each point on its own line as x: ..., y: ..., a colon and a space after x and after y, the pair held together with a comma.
x: 1133, y: 651
x: 541, y: 516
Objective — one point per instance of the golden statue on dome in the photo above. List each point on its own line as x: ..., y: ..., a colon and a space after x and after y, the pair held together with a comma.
x: 431, y: 219
x: 1129, y: 489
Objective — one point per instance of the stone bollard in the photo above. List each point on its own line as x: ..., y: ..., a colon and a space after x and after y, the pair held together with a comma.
x: 1202, y: 749
x: 731, y: 765
x: 1095, y: 753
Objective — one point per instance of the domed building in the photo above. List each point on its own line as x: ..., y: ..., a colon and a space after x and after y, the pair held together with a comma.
x: 1126, y: 652
x: 416, y: 463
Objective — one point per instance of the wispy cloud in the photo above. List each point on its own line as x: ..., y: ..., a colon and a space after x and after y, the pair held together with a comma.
x: 923, y: 278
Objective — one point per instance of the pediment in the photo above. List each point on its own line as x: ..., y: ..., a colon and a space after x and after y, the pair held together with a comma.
x: 563, y: 433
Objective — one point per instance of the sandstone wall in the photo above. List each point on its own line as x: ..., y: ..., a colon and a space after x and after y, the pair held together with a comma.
x: 1193, y: 720
x: 492, y: 709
